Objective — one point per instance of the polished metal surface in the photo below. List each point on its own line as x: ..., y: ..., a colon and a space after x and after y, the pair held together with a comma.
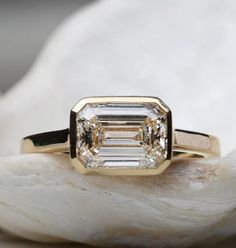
x: 180, y: 143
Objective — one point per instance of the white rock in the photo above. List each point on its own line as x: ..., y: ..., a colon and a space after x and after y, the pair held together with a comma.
x: 183, y: 52
x: 43, y: 198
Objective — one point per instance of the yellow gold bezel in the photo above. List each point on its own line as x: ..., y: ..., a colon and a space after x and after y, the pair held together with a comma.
x: 118, y: 171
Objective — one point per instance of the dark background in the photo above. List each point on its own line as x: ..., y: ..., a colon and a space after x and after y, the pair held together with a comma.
x: 24, y: 27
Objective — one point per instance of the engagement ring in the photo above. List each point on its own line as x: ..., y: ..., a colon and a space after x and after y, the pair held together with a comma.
x: 122, y: 136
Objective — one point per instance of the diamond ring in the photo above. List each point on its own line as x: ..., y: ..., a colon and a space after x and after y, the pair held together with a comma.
x: 130, y: 135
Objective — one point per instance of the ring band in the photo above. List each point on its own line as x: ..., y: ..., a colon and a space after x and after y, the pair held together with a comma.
x: 122, y: 136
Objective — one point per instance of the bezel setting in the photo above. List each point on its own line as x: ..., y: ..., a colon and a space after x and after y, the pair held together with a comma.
x: 126, y: 170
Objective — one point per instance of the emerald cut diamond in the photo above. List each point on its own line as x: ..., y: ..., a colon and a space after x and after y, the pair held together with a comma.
x: 122, y: 134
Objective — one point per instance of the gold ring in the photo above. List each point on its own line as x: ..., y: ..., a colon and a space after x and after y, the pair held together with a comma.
x: 130, y: 135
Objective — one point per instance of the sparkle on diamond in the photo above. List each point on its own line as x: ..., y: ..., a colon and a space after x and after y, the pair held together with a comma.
x: 122, y: 135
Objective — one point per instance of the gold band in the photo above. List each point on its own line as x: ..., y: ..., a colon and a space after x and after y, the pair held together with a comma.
x: 193, y: 144
x: 122, y: 136
x: 186, y: 144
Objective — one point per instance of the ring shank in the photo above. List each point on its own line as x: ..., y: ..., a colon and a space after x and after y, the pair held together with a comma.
x: 186, y: 144
x: 49, y: 142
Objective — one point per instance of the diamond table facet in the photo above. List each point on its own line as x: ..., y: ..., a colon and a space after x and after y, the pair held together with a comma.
x: 122, y: 135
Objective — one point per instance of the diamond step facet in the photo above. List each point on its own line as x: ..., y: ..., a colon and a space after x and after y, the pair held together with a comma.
x: 122, y: 135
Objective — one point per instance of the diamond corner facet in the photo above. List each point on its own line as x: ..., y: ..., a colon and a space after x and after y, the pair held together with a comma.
x: 124, y: 135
